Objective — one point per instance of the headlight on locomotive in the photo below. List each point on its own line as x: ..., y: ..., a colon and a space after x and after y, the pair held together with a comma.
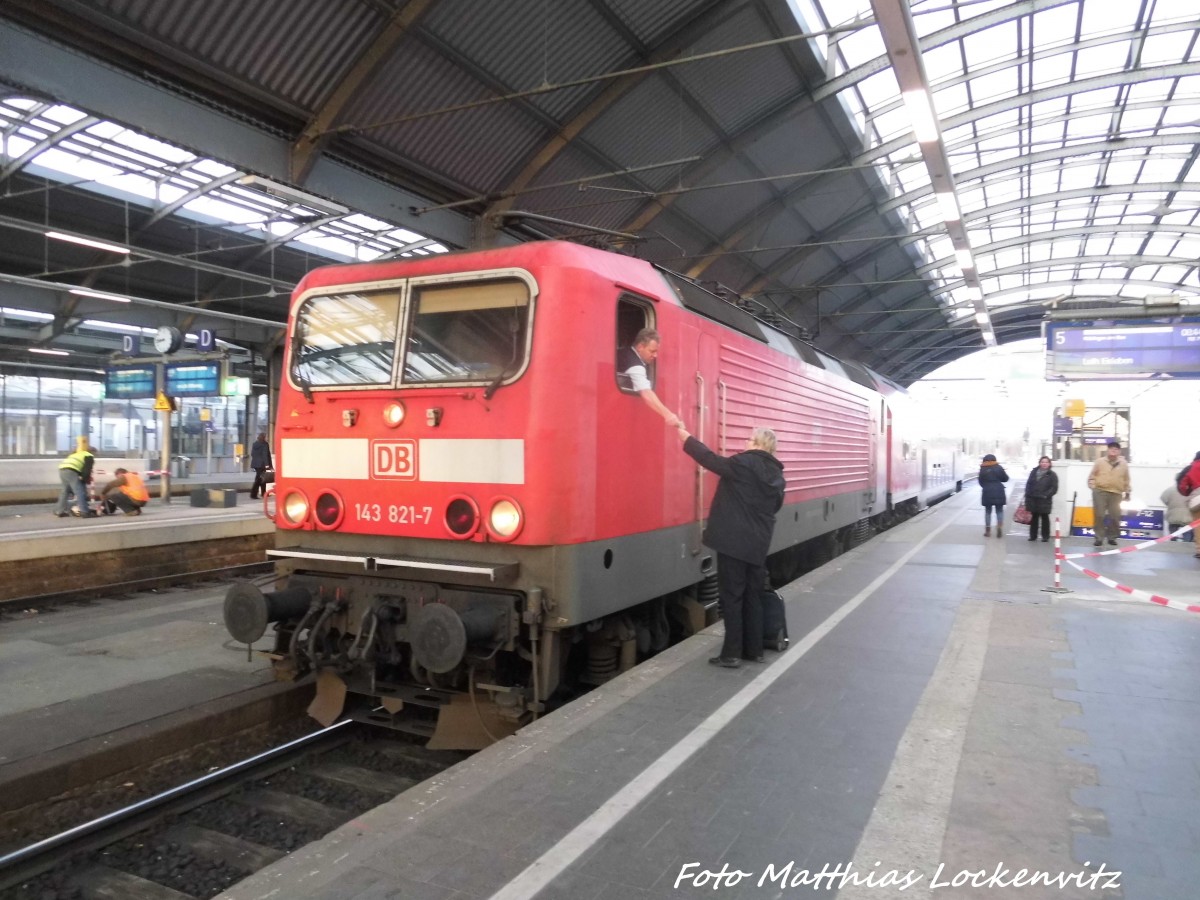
x: 393, y: 414
x: 505, y: 519
x: 294, y: 509
x: 329, y: 510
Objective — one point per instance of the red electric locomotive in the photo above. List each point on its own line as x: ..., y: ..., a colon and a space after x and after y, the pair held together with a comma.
x: 473, y: 513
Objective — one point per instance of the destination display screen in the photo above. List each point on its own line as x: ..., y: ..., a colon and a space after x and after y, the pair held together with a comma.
x: 129, y: 382
x: 193, y: 379
x: 1143, y: 349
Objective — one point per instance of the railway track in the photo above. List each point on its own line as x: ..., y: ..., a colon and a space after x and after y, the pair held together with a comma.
x: 194, y: 840
x: 116, y: 591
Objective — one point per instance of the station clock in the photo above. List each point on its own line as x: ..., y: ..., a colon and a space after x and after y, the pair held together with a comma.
x: 167, y: 339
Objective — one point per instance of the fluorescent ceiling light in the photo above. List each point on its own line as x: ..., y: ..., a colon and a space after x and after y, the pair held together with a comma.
x: 949, y: 204
x: 964, y: 259
x: 49, y: 352
x: 83, y: 292
x: 920, y: 113
x: 287, y: 192
x: 87, y: 242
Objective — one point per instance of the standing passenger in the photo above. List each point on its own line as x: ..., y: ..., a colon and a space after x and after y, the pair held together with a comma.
x: 260, y: 461
x: 1040, y: 489
x: 633, y: 372
x: 1178, y: 514
x: 991, y: 479
x: 75, y: 472
x: 1109, y: 481
x: 740, y: 525
x: 1188, y: 484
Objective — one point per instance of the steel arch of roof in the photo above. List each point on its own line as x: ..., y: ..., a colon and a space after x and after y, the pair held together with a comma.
x: 900, y: 250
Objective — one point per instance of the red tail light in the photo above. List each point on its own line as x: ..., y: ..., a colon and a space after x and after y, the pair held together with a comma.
x: 462, y: 517
x: 329, y: 511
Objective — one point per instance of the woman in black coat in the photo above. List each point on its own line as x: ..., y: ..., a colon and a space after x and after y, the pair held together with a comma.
x: 991, y: 479
x: 740, y: 525
x: 1040, y: 489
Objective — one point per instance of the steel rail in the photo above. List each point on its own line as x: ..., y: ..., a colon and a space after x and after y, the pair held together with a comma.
x: 28, y: 862
x: 101, y: 591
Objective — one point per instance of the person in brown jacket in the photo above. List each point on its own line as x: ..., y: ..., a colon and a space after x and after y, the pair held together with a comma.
x: 1109, y: 481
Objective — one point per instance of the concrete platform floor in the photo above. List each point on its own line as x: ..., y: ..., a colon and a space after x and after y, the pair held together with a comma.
x: 938, y: 714
x: 76, y: 678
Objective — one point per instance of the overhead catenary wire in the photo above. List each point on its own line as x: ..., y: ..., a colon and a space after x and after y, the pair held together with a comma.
x: 351, y: 128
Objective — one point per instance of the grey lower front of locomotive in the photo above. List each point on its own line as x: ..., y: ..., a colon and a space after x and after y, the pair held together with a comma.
x: 381, y: 612
x: 378, y: 631
x: 353, y: 606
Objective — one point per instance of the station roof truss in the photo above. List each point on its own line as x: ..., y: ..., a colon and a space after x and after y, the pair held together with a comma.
x: 776, y: 148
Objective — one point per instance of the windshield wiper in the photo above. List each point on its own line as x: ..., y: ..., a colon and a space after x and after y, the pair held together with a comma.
x: 296, y: 363
x: 514, y: 327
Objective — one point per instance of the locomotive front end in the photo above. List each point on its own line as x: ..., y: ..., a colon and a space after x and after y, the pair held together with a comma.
x: 399, y: 496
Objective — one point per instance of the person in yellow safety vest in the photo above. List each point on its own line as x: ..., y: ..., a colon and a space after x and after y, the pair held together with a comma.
x: 127, y: 492
x: 75, y: 473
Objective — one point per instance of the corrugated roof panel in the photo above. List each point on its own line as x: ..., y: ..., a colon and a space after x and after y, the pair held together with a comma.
x: 732, y: 270
x: 733, y: 204
x: 650, y: 124
x: 720, y: 85
x: 476, y: 148
x: 652, y: 22
x: 525, y: 45
x: 295, y: 49
x: 596, y: 205
x: 798, y: 143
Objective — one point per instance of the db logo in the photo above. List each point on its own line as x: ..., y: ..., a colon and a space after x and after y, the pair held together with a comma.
x: 394, y: 459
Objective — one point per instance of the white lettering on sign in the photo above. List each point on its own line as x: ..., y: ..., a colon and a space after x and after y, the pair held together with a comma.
x: 394, y: 459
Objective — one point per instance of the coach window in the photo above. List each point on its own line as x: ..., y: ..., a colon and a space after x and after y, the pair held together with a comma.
x: 632, y: 316
x: 467, y: 331
x: 346, y: 339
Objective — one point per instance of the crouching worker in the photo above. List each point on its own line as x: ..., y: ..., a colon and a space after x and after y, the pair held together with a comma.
x: 127, y: 492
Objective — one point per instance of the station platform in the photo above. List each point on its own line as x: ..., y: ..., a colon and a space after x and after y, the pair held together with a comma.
x: 33, y: 494
x: 940, y: 723
x: 94, y: 690
x: 43, y: 554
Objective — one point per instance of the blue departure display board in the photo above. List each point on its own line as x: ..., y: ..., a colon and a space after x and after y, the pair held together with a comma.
x: 129, y: 382
x: 192, y: 379
x: 1139, y: 524
x: 1146, y: 348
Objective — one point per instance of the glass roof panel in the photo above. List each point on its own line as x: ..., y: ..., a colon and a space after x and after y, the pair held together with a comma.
x: 1166, y: 49
x: 1108, y: 18
x: 1108, y: 57
x: 1049, y: 70
x: 1157, y: 89
x: 861, y: 46
x: 112, y: 156
x: 1080, y: 221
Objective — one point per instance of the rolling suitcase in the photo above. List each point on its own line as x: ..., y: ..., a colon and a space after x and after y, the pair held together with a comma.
x: 775, y: 633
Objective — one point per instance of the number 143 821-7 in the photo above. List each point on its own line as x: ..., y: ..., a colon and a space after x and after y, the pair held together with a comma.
x: 397, y: 514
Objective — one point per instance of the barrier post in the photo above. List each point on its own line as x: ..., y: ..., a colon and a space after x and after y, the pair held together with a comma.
x: 1058, y: 588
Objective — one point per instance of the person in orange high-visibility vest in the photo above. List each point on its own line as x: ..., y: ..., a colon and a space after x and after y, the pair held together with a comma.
x: 127, y: 492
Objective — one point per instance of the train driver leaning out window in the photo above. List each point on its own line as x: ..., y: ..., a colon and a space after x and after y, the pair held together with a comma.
x: 633, y: 365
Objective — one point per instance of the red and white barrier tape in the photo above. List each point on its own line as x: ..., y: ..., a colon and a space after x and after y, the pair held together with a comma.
x: 1138, y: 546
x: 1133, y: 592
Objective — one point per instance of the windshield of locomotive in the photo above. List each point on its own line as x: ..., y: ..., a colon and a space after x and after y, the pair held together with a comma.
x: 466, y: 331
x: 346, y: 339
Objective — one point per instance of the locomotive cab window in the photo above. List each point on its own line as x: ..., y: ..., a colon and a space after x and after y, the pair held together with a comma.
x: 346, y: 339
x: 466, y: 331
x: 632, y: 317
